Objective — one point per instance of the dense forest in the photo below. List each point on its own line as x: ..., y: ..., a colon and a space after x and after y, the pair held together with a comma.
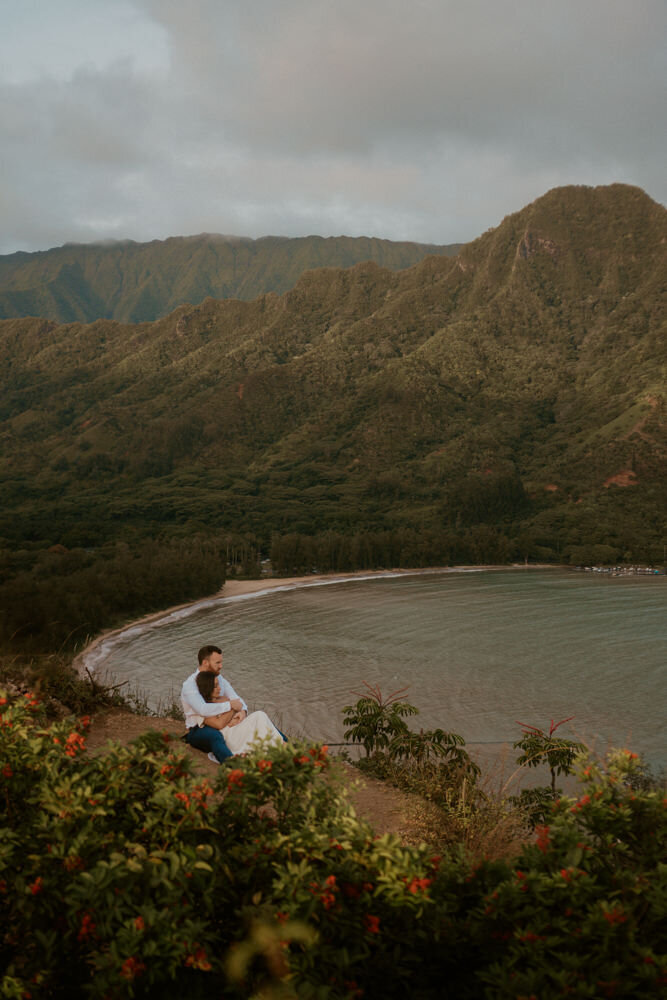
x: 504, y: 404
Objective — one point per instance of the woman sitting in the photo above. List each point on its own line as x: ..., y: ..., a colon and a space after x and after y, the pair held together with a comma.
x: 239, y: 732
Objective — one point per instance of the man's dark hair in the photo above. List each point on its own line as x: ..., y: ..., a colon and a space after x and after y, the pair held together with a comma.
x: 206, y: 684
x: 205, y: 652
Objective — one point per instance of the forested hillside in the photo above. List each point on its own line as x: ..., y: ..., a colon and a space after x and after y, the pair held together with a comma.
x: 508, y: 403
x: 134, y: 282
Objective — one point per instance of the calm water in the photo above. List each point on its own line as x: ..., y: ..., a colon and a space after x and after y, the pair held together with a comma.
x: 478, y: 649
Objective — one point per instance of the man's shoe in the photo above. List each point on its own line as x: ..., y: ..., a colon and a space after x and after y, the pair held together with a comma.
x: 211, y: 756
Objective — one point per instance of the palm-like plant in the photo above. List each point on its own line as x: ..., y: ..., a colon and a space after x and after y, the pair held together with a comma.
x: 375, y: 720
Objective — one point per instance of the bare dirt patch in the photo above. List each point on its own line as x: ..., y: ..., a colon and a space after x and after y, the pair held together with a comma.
x: 626, y: 477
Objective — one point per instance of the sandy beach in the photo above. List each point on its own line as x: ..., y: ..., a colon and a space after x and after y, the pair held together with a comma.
x: 237, y: 588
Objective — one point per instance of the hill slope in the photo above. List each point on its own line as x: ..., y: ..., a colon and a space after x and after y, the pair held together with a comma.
x: 511, y: 399
x: 135, y: 282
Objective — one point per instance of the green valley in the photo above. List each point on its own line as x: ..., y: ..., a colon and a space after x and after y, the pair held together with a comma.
x: 505, y: 403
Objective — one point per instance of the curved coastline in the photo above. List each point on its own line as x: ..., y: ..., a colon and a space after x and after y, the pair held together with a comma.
x: 237, y: 590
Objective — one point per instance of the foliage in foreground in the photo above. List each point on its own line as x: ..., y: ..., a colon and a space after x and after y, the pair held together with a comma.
x: 125, y: 875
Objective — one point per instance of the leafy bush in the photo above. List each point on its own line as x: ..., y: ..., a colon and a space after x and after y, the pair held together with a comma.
x: 125, y: 875
x: 585, y: 909
x: 375, y: 720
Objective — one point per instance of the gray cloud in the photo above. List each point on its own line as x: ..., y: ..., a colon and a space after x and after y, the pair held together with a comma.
x: 411, y: 120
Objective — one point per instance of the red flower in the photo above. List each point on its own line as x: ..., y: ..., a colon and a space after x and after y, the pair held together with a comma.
x: 319, y: 755
x: 542, y: 842
x: 87, y: 928
x: 265, y: 765
x: 7, y: 771
x: 615, y: 916
x: 198, y: 960
x: 372, y: 923
x: 234, y: 779
x: 3, y: 701
x: 131, y: 968
x: 37, y: 885
x: 139, y: 923
x: 73, y: 744
x: 419, y: 884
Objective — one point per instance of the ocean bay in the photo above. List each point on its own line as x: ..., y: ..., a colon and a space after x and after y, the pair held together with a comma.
x: 477, y: 649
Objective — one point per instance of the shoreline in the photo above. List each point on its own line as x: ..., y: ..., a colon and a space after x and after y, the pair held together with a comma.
x: 242, y: 589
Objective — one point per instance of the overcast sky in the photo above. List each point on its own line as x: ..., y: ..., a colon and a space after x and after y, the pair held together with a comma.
x: 425, y: 120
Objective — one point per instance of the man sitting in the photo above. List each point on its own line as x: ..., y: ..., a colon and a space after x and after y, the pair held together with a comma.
x: 220, y: 727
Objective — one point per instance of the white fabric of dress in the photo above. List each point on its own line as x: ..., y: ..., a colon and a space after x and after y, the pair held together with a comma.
x: 256, y: 726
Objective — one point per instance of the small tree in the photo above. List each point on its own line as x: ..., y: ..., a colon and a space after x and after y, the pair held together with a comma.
x: 540, y: 747
x: 375, y: 721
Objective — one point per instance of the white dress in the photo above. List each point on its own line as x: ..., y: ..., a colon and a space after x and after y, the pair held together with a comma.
x: 256, y: 726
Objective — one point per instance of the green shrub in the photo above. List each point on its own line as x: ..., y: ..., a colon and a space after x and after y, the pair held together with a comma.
x: 584, y: 912
x: 375, y: 721
x: 125, y: 875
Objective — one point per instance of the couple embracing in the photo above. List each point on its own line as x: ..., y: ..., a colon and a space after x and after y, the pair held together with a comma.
x: 217, y: 719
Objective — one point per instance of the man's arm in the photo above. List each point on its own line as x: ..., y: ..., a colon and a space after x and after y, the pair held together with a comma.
x: 227, y: 691
x: 190, y: 692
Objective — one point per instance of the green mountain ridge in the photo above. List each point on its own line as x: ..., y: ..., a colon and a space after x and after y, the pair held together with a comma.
x: 136, y: 282
x: 511, y: 399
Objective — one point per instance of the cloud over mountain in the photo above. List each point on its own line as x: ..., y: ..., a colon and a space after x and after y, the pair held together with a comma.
x: 424, y: 120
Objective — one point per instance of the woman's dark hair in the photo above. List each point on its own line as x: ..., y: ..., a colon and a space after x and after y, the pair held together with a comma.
x: 206, y: 684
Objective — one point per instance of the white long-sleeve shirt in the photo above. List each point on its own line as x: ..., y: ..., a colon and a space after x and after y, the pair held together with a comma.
x: 195, y: 709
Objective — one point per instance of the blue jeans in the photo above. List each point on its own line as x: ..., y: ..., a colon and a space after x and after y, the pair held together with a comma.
x: 209, y: 740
